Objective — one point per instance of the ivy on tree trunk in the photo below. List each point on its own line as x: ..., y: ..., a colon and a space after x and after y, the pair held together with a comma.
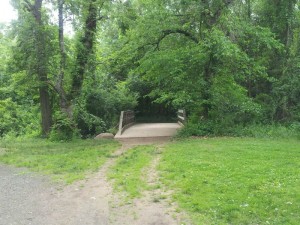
x: 41, y: 64
x: 84, y: 48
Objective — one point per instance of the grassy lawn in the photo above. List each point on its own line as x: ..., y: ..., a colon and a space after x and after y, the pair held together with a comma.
x: 235, y: 180
x: 67, y: 161
x: 128, y: 171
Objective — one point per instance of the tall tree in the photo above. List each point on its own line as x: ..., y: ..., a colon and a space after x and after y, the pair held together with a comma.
x: 85, y: 47
x: 64, y: 102
x: 41, y: 65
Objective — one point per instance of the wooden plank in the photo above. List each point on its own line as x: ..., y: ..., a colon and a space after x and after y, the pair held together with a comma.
x: 181, y: 118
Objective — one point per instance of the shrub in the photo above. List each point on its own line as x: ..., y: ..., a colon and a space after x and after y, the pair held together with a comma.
x: 209, y: 128
x: 63, y: 129
x: 17, y: 119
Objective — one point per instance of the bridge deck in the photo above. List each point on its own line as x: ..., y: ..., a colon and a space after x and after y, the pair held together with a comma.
x: 145, y: 130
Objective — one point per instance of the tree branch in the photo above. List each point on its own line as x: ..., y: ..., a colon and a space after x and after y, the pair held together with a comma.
x: 179, y: 31
x: 53, y: 87
x: 58, y: 89
x: 28, y: 6
x: 102, y: 17
x: 165, y: 33
x: 100, y: 8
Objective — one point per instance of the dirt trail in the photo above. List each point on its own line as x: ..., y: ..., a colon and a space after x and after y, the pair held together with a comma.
x: 32, y: 199
x: 154, y: 207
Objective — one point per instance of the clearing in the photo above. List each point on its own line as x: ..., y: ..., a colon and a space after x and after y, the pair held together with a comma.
x: 30, y: 198
x: 191, y: 181
x: 235, y: 180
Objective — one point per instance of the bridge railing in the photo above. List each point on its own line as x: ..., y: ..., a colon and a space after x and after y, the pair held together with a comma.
x: 181, y: 116
x: 127, y: 119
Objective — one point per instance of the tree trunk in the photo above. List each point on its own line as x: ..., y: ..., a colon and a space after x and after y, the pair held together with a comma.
x: 42, y: 69
x: 288, y: 30
x: 248, y: 2
x: 45, y: 110
x: 65, y: 104
x: 84, y: 49
x: 206, y: 92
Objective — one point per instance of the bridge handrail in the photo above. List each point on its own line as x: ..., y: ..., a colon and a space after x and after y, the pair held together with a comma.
x: 181, y: 116
x: 127, y: 119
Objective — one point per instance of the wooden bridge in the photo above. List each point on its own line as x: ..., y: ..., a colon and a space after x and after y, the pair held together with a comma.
x: 128, y: 128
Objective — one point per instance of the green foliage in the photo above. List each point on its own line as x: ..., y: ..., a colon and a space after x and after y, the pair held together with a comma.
x: 203, y: 128
x: 5, y: 44
x: 88, y: 124
x: 230, y: 104
x: 99, y: 108
x: 270, y: 131
x: 234, y: 180
x: 273, y: 131
x: 230, y: 64
x: 64, y: 129
x: 206, y: 79
x: 66, y: 161
x: 107, y: 102
x: 219, y: 65
x: 16, y: 119
x: 18, y: 113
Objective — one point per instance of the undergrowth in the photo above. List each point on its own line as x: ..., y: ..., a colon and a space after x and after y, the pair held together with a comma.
x: 256, y: 130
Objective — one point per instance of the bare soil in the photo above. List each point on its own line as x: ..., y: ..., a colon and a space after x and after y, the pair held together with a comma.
x: 27, y: 198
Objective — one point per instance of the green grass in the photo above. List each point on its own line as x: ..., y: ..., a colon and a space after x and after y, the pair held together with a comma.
x: 235, y: 180
x: 68, y: 161
x: 128, y: 171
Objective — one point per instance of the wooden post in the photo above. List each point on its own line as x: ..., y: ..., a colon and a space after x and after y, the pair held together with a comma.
x: 126, y: 120
x: 184, y: 115
x: 121, y: 122
x: 181, y: 117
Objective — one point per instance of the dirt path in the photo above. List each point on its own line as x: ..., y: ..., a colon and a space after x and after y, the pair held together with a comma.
x: 27, y: 198
x: 154, y: 207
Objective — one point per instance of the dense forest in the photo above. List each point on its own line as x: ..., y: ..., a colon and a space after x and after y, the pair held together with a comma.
x: 68, y: 67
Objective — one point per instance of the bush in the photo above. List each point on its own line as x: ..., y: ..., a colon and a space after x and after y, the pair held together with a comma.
x: 64, y: 128
x: 272, y: 131
x: 17, y: 119
x: 89, y: 124
x: 198, y: 129
x: 209, y: 128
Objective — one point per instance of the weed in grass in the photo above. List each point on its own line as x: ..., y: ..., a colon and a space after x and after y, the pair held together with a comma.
x: 159, y: 198
x: 128, y: 171
x: 156, y: 199
x: 235, y: 180
x: 154, y: 187
x: 69, y: 161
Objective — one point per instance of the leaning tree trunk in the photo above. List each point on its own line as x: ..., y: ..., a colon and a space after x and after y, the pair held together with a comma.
x: 84, y: 48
